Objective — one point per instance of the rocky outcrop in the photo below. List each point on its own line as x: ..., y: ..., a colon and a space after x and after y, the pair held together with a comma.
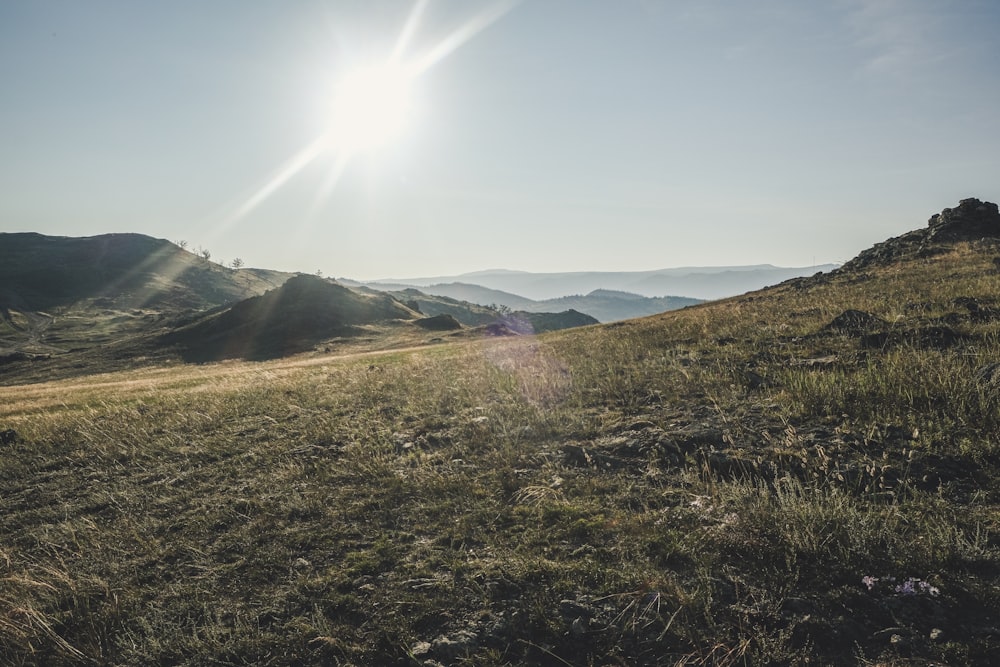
x: 971, y: 220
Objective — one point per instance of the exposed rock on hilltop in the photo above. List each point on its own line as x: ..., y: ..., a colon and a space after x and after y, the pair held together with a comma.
x: 972, y: 220
x: 299, y: 314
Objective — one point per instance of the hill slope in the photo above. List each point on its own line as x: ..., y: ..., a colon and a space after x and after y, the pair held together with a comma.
x: 302, y: 312
x: 809, y: 474
x: 124, y: 271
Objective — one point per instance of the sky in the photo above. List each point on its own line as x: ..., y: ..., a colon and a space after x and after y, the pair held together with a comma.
x: 541, y: 135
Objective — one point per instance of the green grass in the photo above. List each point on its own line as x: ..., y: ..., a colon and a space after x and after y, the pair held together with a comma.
x: 679, y: 490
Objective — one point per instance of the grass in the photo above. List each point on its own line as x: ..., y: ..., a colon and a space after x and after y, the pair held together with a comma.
x: 689, y: 489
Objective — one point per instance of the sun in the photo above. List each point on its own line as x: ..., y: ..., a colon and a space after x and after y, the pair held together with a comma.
x: 371, y: 107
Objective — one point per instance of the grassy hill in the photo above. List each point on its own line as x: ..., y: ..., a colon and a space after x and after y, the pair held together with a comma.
x: 304, y: 311
x: 151, y: 303
x: 805, y: 474
x: 77, y: 303
x: 122, y: 271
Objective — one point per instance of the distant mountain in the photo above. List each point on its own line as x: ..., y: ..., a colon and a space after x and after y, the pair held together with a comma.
x: 693, y: 282
x: 612, y: 305
x: 603, y: 305
x: 465, y: 312
x: 39, y: 272
x: 463, y: 292
x: 532, y: 320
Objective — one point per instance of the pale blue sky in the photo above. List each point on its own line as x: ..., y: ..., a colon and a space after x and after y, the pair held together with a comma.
x: 562, y: 135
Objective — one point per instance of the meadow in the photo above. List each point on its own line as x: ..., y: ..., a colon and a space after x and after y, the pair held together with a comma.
x: 749, y: 481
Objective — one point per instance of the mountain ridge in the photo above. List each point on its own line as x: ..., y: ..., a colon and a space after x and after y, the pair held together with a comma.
x: 691, y: 282
x: 602, y: 304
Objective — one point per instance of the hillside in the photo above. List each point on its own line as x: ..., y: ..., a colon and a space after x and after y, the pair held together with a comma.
x: 292, y: 318
x: 806, y: 474
x: 77, y: 302
x: 73, y: 306
x: 121, y: 271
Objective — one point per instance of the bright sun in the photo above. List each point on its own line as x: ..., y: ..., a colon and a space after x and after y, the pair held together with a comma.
x: 371, y: 107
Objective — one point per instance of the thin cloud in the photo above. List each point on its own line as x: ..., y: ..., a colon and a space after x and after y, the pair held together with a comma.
x: 901, y: 37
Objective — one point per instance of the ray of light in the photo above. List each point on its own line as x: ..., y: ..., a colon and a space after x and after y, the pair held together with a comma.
x: 468, y: 30
x: 408, y: 30
x: 329, y: 183
x: 280, y: 177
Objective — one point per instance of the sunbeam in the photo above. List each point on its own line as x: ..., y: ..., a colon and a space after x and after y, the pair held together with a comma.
x: 456, y: 39
x: 293, y: 166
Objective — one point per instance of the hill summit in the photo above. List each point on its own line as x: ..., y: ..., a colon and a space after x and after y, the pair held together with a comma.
x: 971, y: 220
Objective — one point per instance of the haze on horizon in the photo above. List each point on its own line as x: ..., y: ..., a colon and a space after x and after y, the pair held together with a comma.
x: 543, y: 135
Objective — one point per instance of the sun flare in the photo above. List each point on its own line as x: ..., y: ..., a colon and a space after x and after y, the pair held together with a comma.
x: 371, y: 107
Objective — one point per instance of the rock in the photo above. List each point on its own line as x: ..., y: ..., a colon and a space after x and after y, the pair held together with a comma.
x: 8, y: 437
x: 970, y: 221
x: 973, y: 219
x: 420, y: 649
x: 855, y: 323
x: 459, y: 645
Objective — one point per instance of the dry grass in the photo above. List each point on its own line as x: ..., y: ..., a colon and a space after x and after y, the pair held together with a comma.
x: 679, y: 490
